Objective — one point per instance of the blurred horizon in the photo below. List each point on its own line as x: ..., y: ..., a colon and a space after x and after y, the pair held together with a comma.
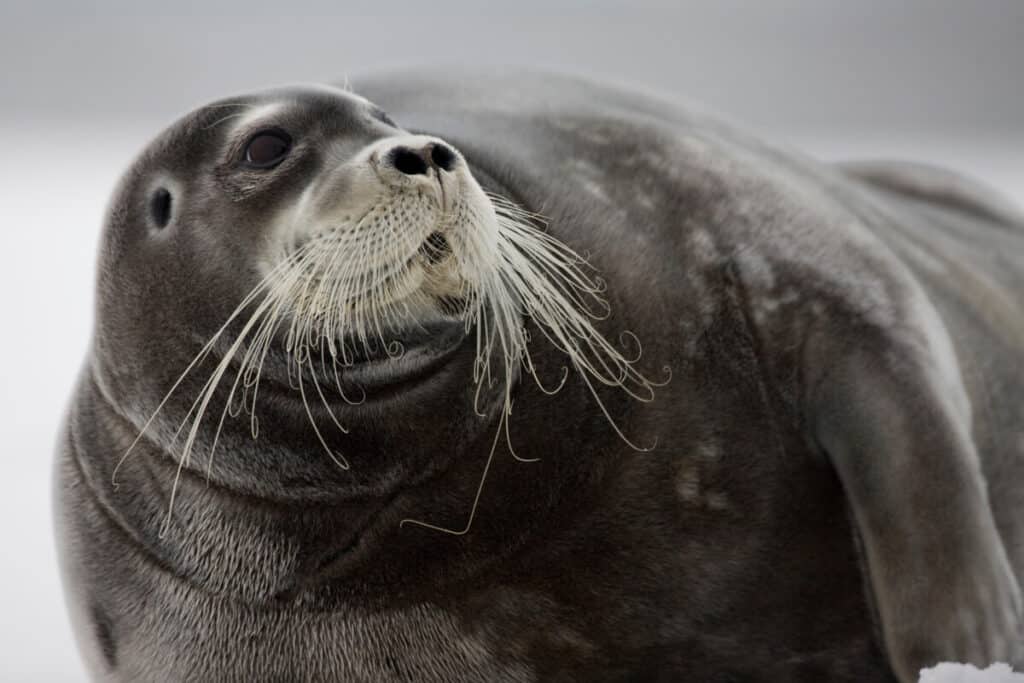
x: 776, y: 66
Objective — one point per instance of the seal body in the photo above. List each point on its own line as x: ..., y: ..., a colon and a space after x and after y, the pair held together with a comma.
x: 835, y: 491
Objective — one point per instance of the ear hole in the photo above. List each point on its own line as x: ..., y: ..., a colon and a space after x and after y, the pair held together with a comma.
x: 160, y: 207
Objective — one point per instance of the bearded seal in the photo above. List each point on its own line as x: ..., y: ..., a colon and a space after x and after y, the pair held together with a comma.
x: 354, y: 412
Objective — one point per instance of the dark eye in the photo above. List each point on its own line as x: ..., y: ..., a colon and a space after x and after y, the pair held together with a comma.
x: 267, y: 148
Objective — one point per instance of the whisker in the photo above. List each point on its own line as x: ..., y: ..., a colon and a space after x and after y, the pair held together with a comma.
x: 476, y: 498
x: 345, y: 291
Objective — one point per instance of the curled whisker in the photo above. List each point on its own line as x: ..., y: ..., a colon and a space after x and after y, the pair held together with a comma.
x: 326, y: 403
x: 508, y: 438
x: 342, y: 294
x: 532, y: 371
x: 627, y: 337
x: 336, y: 456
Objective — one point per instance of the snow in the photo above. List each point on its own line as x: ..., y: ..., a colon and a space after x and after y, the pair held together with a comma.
x: 967, y: 673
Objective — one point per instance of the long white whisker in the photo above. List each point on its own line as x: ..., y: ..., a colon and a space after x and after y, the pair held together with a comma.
x: 476, y: 498
x: 351, y: 285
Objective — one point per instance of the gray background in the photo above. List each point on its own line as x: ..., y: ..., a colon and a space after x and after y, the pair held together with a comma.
x: 84, y: 84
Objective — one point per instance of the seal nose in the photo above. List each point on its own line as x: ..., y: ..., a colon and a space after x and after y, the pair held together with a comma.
x: 418, y: 161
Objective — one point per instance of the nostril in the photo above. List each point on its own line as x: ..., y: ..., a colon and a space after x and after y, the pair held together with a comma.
x: 443, y: 157
x: 408, y: 162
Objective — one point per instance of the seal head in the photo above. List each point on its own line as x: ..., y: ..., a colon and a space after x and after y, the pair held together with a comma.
x: 377, y: 280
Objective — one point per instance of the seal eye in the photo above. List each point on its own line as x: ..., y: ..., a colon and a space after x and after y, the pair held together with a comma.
x: 267, y: 148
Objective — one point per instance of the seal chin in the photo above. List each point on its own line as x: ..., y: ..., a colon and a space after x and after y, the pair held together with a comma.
x: 411, y: 356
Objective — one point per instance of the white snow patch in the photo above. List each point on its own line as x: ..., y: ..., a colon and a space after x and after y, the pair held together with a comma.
x: 968, y: 673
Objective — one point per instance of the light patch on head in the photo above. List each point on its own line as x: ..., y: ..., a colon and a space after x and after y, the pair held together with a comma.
x: 256, y: 113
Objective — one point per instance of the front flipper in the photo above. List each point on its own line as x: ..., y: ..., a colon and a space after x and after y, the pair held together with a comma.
x: 894, y: 421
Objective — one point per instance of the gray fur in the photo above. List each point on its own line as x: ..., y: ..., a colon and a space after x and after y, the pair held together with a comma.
x: 837, y: 487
